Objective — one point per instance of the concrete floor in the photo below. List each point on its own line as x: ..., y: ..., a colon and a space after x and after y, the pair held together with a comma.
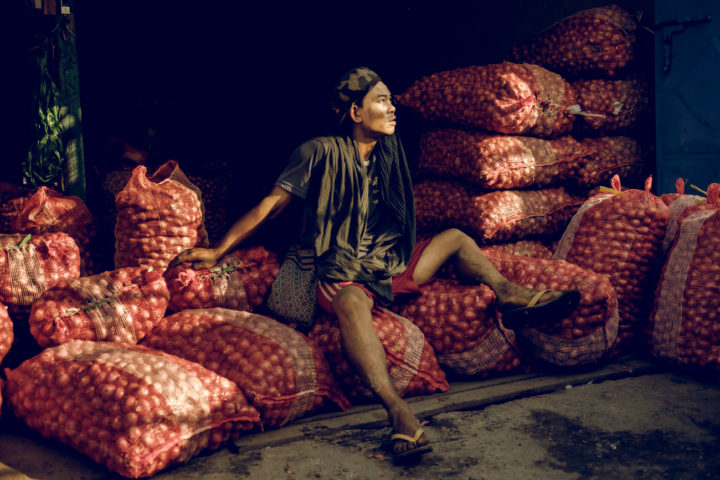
x: 627, y: 420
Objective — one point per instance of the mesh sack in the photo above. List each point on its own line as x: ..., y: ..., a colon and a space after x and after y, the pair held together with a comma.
x: 239, y: 281
x: 411, y: 361
x: 610, y: 106
x: 587, y: 335
x: 134, y: 410
x: 158, y: 217
x: 31, y: 264
x: 684, y: 325
x: 6, y: 332
x: 611, y: 156
x: 281, y: 371
x: 496, y: 162
x: 504, y: 98
x: 460, y: 324
x: 120, y: 305
x: 620, y: 234
x: 597, y: 41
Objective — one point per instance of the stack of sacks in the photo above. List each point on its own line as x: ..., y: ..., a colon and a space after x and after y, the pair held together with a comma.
x: 497, y: 188
x: 684, y: 325
x: 281, y: 371
x: 47, y: 211
x: 620, y: 234
x: 158, y: 217
x: 132, y: 409
x: 595, y: 50
x: 240, y: 281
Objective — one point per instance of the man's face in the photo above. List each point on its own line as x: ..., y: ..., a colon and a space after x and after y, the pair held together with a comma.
x: 376, y: 113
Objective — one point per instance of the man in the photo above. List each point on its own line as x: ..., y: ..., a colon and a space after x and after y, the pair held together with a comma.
x: 359, y: 218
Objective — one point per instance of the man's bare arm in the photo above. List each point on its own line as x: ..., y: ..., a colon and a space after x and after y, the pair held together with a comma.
x: 269, y: 207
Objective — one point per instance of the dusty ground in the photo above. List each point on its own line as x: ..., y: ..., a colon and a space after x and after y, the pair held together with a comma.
x: 658, y: 425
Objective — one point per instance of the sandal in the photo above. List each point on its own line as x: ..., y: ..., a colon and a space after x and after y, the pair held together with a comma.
x: 413, y: 449
x: 535, y: 314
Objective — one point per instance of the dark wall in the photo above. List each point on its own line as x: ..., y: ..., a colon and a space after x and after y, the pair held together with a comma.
x: 245, y: 84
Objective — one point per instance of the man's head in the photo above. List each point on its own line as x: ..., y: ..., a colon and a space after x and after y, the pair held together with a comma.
x: 364, y: 103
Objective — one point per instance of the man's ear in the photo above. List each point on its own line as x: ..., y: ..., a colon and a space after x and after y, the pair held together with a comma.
x: 355, y: 113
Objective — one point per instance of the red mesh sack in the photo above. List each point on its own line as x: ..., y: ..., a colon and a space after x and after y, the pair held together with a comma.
x: 498, y: 161
x: 597, y: 41
x: 611, y: 156
x: 459, y: 323
x: 587, y: 335
x: 240, y: 281
x: 610, y: 106
x: 505, y: 98
x: 493, y: 217
x: 158, y: 217
x: 282, y: 372
x: 117, y: 306
x: 620, y: 234
x: 411, y: 361
x: 684, y: 325
x: 49, y: 211
x: 134, y: 410
x: 31, y: 264
x: 6, y: 332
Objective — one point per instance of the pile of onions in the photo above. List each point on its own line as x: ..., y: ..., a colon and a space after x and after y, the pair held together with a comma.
x: 411, y: 361
x: 31, y: 264
x: 593, y: 42
x: 158, y: 217
x: 504, y: 98
x: 134, y: 410
x: 498, y: 162
x: 121, y: 305
x: 620, y: 234
x: 240, y: 281
x: 524, y: 248
x: 6, y: 332
x: 283, y: 374
x: 584, y: 337
x: 684, y: 325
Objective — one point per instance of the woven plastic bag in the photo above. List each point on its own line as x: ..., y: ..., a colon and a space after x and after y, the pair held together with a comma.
x: 282, y: 372
x: 519, y: 99
x: 411, y: 361
x: 620, y: 234
x: 120, y: 305
x: 132, y: 409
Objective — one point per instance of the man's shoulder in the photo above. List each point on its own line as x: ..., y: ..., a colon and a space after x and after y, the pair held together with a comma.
x: 322, y: 145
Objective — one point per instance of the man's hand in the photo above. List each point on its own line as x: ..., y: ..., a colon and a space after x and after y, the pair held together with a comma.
x: 199, y: 257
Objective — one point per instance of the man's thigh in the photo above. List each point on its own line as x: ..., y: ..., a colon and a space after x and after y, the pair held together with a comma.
x: 436, y: 254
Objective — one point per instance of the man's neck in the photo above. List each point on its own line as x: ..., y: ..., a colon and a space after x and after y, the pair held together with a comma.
x: 365, y: 144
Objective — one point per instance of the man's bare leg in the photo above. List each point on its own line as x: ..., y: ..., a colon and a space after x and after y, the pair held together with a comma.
x: 366, y: 353
x: 471, y: 264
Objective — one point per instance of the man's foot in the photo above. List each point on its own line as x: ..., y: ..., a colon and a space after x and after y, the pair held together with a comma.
x: 408, y: 439
x: 544, y: 306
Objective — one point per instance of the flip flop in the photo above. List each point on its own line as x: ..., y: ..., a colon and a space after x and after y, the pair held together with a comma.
x: 534, y: 313
x: 414, y: 451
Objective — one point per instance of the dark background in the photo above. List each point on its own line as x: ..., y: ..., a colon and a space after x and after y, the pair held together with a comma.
x: 234, y: 87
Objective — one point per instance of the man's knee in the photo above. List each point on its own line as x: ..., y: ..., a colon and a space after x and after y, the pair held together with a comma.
x: 456, y: 239
x: 351, y: 300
